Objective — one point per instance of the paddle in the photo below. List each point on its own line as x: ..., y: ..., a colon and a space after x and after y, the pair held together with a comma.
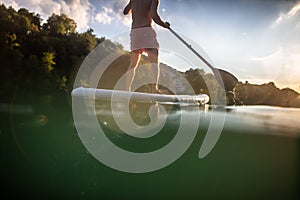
x: 227, y: 80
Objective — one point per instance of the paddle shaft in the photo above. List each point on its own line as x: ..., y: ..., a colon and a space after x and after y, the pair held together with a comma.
x: 193, y: 50
x: 216, y: 71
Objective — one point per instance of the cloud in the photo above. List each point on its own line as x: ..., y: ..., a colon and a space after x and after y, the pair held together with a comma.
x: 82, y: 11
x: 294, y: 10
x: 287, y: 30
x: 105, y: 17
x: 277, y: 55
x: 11, y: 3
x: 287, y: 27
x: 79, y: 10
x: 293, y: 13
x: 112, y: 12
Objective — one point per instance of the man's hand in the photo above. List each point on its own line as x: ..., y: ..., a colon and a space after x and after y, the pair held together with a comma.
x: 167, y: 25
x: 127, y: 9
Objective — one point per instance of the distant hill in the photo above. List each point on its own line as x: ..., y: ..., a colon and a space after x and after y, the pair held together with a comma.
x: 266, y: 94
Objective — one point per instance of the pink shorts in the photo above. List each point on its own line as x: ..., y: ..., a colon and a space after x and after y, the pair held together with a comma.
x: 143, y: 38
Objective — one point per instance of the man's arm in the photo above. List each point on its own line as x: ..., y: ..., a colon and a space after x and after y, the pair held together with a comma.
x: 154, y: 15
x: 127, y: 9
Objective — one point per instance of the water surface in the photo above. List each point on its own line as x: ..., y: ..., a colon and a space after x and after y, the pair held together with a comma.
x: 256, y: 156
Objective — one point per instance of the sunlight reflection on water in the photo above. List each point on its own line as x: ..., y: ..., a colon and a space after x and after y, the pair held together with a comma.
x: 268, y: 119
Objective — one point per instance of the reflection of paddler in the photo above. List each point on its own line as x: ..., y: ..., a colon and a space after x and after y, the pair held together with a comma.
x: 143, y: 37
x: 139, y: 113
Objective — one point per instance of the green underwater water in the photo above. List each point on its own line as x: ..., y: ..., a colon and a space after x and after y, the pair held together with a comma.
x: 42, y: 156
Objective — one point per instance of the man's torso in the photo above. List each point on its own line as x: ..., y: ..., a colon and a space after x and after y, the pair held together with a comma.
x: 141, y: 13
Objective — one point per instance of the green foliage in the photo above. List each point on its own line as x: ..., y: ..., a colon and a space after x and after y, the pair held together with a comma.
x: 40, y: 57
x: 48, y: 61
x: 63, y: 83
x: 60, y: 24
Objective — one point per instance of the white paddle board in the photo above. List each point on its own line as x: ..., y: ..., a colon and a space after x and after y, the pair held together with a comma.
x: 118, y: 95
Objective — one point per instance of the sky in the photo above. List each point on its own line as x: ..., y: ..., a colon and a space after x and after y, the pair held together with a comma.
x: 256, y: 40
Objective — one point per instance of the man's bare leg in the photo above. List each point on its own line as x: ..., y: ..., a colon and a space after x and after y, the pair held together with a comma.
x: 134, y: 60
x: 153, y: 58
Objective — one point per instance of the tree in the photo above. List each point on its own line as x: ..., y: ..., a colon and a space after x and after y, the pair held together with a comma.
x: 33, y: 21
x: 60, y: 24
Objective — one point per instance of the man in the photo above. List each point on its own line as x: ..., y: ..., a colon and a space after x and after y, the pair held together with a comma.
x: 143, y: 37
